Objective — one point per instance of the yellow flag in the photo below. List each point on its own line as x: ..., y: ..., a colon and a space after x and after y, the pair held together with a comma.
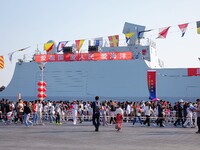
x: 48, y: 46
x: 79, y: 44
x: 113, y: 40
x: 198, y: 27
x: 129, y: 35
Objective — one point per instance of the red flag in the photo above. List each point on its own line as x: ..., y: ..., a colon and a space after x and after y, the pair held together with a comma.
x: 151, y: 80
x: 114, y: 40
x: 183, y: 28
x: 163, y: 32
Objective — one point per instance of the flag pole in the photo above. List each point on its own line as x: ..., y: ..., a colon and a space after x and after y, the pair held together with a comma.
x: 19, y: 96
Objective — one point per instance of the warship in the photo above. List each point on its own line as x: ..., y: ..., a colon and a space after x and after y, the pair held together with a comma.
x: 130, y: 72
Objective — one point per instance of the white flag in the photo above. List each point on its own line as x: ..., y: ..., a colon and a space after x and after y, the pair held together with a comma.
x: 61, y: 45
x: 98, y: 42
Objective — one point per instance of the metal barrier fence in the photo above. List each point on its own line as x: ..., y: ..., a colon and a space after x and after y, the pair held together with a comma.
x: 67, y: 116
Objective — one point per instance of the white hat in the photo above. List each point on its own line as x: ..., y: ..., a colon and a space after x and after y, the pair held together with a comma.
x: 180, y: 101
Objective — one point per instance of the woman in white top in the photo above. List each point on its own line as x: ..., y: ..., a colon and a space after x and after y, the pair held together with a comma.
x: 51, y: 113
x: 74, y: 112
x: 39, y: 111
x: 148, y: 110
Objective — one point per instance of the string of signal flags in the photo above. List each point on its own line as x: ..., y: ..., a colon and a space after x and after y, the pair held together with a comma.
x: 113, y: 40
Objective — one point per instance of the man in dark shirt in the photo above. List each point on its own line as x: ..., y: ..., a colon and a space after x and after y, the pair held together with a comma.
x: 179, y: 113
x: 96, y: 113
x: 7, y: 107
x: 160, y: 113
x: 6, y: 111
x: 27, y: 112
x: 2, y: 108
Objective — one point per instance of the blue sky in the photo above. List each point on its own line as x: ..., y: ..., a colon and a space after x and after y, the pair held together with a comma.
x: 31, y: 23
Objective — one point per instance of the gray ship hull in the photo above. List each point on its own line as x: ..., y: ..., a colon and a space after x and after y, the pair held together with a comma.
x: 118, y: 80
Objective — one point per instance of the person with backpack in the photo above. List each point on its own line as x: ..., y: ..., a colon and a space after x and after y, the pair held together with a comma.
x: 96, y: 113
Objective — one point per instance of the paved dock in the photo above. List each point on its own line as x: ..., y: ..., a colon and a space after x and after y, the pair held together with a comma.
x: 83, y: 137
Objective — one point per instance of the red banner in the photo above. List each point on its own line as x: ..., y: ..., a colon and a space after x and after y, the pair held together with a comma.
x: 151, y: 79
x: 193, y: 71
x: 84, y: 56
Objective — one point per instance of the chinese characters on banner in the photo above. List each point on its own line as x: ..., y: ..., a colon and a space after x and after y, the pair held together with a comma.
x: 83, y: 56
x: 193, y: 71
x: 151, y: 79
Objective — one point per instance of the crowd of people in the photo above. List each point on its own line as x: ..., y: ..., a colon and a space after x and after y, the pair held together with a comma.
x: 159, y: 113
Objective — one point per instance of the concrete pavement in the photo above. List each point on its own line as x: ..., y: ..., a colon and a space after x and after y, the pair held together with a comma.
x: 83, y: 137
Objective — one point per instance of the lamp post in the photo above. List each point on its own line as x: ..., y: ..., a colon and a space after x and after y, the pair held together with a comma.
x: 42, y: 66
x: 42, y: 84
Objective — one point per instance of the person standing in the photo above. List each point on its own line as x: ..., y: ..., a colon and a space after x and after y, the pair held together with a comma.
x: 58, y: 113
x: 96, y: 113
x: 179, y: 113
x: 104, y: 113
x: 46, y: 111
x: 80, y: 114
x: 74, y: 112
x: 8, y: 112
x: 160, y: 108
x: 119, y: 117
x: 198, y: 115
x: 3, y: 112
x: 194, y: 116
x: 148, y: 111
x: 128, y: 111
x: 190, y: 109
x: 51, y: 113
x: 35, y: 114
x: 20, y: 108
x: 137, y: 114
x: 112, y: 112
x: 27, y: 112
x: 40, y: 112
